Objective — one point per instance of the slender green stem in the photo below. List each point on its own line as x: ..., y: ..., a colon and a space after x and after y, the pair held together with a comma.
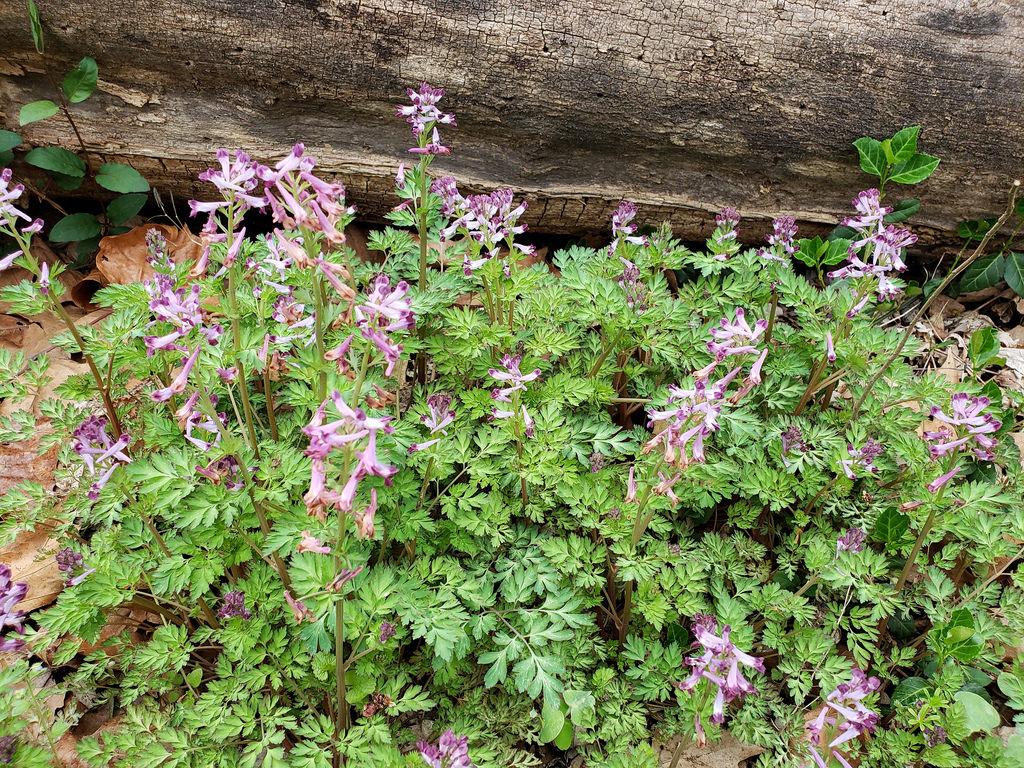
x: 606, y: 349
x: 268, y: 395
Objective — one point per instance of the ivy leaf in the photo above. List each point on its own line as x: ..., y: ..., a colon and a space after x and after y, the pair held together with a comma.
x: 983, y: 347
x: 891, y: 526
x: 1013, y: 273
x: 77, y: 226
x: 122, y: 208
x: 975, y: 229
x: 915, y: 170
x: 872, y: 156
x: 118, y: 177
x: 80, y: 82
x: 35, y: 111
x: 9, y: 140
x: 58, y: 160
x: 986, y: 272
x: 904, y: 143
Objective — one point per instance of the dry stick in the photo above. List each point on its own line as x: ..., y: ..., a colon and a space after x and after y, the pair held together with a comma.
x: 1014, y: 188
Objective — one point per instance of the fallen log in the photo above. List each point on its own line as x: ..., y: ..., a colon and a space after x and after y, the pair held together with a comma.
x: 684, y: 106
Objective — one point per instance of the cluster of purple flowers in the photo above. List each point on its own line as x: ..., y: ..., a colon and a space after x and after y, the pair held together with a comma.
x: 862, y: 458
x: 489, y: 220
x: 693, y: 414
x: 967, y: 425
x: 439, y: 415
x: 11, y: 594
x: 724, y: 241
x: 451, y: 751
x: 234, y: 606
x: 623, y: 230
x: 721, y: 665
x: 68, y: 562
x: 781, y: 241
x: 11, y: 215
x: 513, y: 380
x: 353, y: 426
x: 852, y: 541
x: 224, y: 470
x: 99, y: 451
x: 384, y: 311
x: 423, y: 116
x: 877, y: 252
x: 844, y: 718
x: 298, y: 199
x: 637, y: 297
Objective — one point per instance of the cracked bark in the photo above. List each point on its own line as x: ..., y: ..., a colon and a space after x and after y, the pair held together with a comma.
x: 684, y: 106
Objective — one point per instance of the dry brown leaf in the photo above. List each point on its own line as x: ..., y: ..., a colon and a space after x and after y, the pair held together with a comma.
x: 66, y: 754
x: 953, y: 367
x: 123, y: 258
x: 727, y: 753
x: 117, y: 622
x: 22, y: 461
x: 31, y: 557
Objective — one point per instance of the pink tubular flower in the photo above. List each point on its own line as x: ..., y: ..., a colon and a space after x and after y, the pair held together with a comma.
x: 99, y: 452
x: 177, y: 386
x: 299, y: 610
x: 224, y: 470
x: 385, y: 310
x: 622, y: 227
x: 489, y: 220
x: 843, y: 717
x: 310, y: 543
x: 691, y: 415
x: 861, y: 458
x: 735, y: 337
x: 235, y: 179
x: 723, y: 243
x: 968, y: 423
x: 11, y: 594
x: 941, y: 480
x: 300, y: 200
x: 781, y: 240
x: 451, y: 751
x: 192, y: 419
x: 439, y: 415
x: 851, y: 541
x: 631, y: 484
x: 422, y: 113
x: 11, y: 217
x: 515, y: 381
x: 720, y: 665
x: 633, y: 286
x: 830, y: 349
x: 365, y: 518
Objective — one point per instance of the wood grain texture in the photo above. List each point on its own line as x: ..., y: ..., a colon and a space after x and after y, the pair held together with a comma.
x: 683, y: 105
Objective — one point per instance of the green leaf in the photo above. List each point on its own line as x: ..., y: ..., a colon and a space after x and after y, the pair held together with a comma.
x: 35, y: 111
x: 122, y: 208
x: 58, y: 160
x: 915, y: 170
x: 118, y: 177
x: 67, y: 182
x: 908, y: 689
x: 903, y: 210
x: 1013, y: 273
x: 37, y: 27
x: 891, y: 526
x: 872, y: 156
x: 983, y: 347
x: 565, y: 737
x: 77, y: 226
x: 986, y: 272
x: 6, y: 157
x: 979, y: 715
x: 974, y: 230
x: 9, y: 140
x: 581, y: 707
x: 904, y: 143
x: 1012, y: 687
x: 552, y: 720
x: 80, y: 82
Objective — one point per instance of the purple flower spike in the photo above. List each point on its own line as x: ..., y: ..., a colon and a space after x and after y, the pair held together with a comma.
x: 720, y: 665
x: 852, y: 541
x: 423, y: 115
x: 451, y: 751
x: 10, y: 595
x: 234, y: 606
x: 862, y: 458
x: 843, y: 718
x: 100, y: 453
x: 968, y: 423
x: 623, y: 230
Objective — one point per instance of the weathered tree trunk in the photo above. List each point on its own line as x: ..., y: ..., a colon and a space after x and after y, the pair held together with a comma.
x: 683, y: 105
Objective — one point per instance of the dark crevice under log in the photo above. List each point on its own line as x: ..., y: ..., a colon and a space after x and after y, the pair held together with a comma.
x: 685, y: 107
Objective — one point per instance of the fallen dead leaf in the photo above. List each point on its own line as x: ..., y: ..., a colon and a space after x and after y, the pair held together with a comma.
x: 727, y: 753
x: 21, y: 461
x: 61, y: 368
x: 66, y: 753
x: 31, y: 558
x: 123, y: 258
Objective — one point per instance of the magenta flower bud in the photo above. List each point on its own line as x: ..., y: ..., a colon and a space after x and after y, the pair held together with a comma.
x: 941, y: 480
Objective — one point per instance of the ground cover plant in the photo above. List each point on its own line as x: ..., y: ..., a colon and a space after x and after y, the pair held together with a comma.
x: 463, y: 507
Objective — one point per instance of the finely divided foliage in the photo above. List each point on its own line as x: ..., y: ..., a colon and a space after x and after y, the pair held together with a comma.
x: 462, y: 507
